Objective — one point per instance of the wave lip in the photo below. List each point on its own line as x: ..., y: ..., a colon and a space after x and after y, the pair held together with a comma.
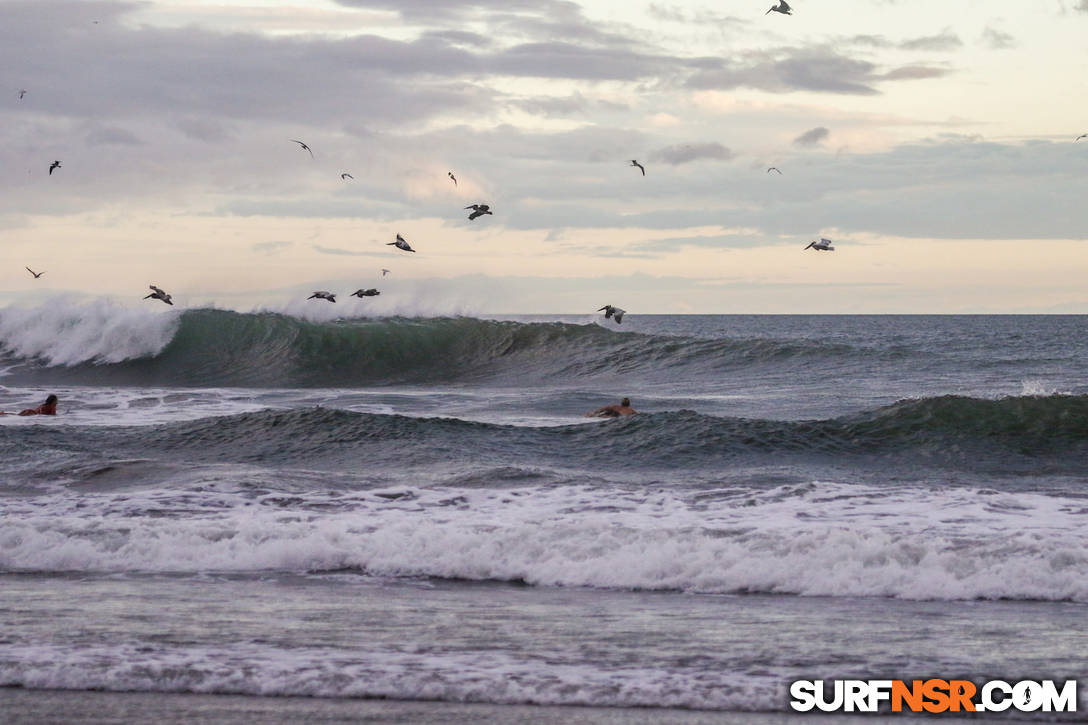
x: 67, y: 333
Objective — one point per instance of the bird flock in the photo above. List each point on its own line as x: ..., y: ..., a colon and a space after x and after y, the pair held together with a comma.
x: 478, y: 210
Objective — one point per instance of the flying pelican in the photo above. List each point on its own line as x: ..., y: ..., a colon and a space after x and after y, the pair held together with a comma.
x: 782, y: 7
x: 323, y: 295
x: 54, y: 165
x: 634, y: 162
x: 450, y: 174
x: 384, y: 271
x: 302, y: 145
x: 1078, y: 138
x: 610, y: 311
x: 478, y: 210
x: 22, y: 92
x: 36, y: 274
x: 346, y: 176
x: 158, y: 294
x: 361, y: 293
x: 773, y: 168
x: 824, y: 245
x: 401, y: 244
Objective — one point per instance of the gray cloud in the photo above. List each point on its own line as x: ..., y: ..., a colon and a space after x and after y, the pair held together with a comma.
x: 812, y: 137
x: 269, y: 247
x: 111, y: 136
x: 914, y: 72
x: 818, y: 69
x: 944, y: 41
x: 998, y: 40
x: 346, y: 252
x: 574, y: 104
x: 686, y: 153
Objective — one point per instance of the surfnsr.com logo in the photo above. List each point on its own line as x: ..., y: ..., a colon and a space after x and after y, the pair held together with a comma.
x: 933, y: 696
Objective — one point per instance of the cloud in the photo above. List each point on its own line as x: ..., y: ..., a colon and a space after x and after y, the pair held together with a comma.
x: 944, y: 41
x: 812, y: 137
x: 686, y: 153
x: 818, y: 69
x: 345, y: 252
x: 998, y: 40
x: 914, y: 72
x: 111, y: 136
x: 269, y: 247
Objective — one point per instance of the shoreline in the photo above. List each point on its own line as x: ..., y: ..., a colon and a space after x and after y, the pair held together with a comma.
x: 23, y: 706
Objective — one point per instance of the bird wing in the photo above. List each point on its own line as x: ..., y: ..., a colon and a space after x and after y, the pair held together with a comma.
x: 156, y: 289
x: 618, y: 314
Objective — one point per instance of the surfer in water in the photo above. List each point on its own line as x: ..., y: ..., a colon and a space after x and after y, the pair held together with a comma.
x: 614, y: 411
x: 49, y: 407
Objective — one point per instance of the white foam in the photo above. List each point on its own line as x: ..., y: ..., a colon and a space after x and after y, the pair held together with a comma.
x: 824, y: 539
x: 68, y: 332
x: 488, y: 676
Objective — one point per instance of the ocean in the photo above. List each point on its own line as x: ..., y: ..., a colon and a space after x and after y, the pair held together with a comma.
x: 278, y: 517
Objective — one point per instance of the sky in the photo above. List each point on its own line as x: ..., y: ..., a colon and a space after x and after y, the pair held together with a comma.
x: 932, y: 141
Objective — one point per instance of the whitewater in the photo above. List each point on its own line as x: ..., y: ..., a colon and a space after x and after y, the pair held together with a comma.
x: 295, y: 503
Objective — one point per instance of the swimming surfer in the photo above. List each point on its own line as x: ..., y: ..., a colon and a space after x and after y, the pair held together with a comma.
x: 614, y: 411
x: 49, y: 407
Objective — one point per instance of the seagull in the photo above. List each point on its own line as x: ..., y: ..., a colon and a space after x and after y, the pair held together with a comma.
x: 610, y: 311
x: 824, y: 245
x: 384, y: 271
x: 1078, y: 138
x: 782, y: 7
x: 22, y: 92
x: 158, y: 294
x: 450, y: 174
x: 773, y: 168
x: 361, y: 293
x: 636, y: 163
x: 401, y: 244
x: 54, y: 165
x: 478, y: 210
x: 36, y: 274
x: 346, y: 176
x: 302, y: 145
x: 323, y: 295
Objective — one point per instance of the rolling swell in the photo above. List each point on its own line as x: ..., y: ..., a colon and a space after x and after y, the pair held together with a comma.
x: 207, y: 347
x: 1035, y: 435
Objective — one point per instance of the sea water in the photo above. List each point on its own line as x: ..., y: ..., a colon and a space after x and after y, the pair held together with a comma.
x: 275, y: 504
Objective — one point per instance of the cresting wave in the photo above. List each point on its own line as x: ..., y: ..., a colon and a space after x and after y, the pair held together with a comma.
x: 817, y: 539
x: 102, y: 343
x: 1026, y: 435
